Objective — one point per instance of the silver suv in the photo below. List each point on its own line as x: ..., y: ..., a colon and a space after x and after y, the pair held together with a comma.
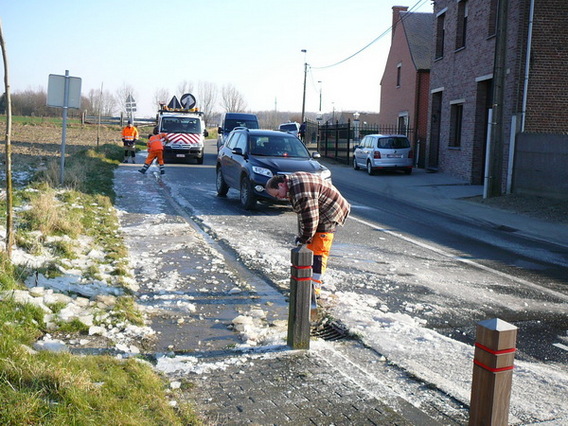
x: 384, y: 152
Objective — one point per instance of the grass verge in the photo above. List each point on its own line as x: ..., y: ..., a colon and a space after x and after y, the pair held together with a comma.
x: 63, y: 223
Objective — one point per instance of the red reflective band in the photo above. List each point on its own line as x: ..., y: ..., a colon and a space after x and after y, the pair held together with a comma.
x: 301, y: 279
x: 493, y: 370
x: 301, y: 267
x: 491, y: 351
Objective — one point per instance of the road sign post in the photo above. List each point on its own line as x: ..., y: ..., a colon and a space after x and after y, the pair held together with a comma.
x: 64, y: 92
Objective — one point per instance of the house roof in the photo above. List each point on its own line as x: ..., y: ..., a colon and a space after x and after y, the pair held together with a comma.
x: 419, y: 31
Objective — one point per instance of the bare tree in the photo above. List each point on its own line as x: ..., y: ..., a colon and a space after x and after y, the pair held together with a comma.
x: 161, y: 96
x: 183, y: 88
x: 231, y: 99
x: 207, y: 98
x: 122, y: 95
x: 9, y: 195
x: 101, y: 102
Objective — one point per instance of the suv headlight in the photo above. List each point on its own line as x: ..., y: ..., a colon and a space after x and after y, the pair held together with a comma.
x: 325, y: 174
x: 262, y: 171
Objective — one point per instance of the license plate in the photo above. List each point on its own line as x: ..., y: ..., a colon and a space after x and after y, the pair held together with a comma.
x: 394, y: 155
x: 180, y: 155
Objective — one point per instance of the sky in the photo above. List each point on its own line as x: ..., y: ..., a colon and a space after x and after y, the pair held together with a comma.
x: 254, y: 45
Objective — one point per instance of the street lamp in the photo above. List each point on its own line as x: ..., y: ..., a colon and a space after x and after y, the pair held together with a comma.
x: 356, y: 125
x: 305, y: 74
x: 319, y: 82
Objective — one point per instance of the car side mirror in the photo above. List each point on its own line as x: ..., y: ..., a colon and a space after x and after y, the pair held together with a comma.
x: 316, y: 155
x: 220, y: 129
x: 238, y: 151
x: 205, y: 133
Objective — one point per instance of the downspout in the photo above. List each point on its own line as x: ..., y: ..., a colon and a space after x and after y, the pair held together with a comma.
x: 527, y: 66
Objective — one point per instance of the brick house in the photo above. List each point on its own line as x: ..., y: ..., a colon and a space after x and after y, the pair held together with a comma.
x: 479, y: 68
x: 406, y: 78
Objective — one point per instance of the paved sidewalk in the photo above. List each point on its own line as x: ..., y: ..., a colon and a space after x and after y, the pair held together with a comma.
x: 449, y: 196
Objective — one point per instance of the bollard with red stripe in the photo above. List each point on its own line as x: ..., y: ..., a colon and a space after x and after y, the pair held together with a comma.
x: 492, y: 372
x: 300, y: 297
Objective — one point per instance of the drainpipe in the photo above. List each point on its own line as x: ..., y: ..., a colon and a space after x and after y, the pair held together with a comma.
x: 527, y: 66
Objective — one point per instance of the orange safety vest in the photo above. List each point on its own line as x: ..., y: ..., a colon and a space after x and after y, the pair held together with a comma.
x: 156, y: 142
x: 130, y: 133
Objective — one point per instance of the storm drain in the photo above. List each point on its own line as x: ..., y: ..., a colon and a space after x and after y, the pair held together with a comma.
x: 330, y: 331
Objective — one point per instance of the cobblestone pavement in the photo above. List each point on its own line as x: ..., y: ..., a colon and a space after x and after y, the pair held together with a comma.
x: 291, y: 387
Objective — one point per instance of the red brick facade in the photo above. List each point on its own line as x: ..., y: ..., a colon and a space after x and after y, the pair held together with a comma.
x: 405, y: 87
x: 463, y: 77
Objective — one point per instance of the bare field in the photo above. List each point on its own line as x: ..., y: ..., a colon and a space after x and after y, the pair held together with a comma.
x: 34, y: 144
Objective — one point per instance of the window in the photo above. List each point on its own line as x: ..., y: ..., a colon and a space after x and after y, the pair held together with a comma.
x: 456, y: 125
x: 440, y: 34
x: 461, y: 27
x: 398, y: 67
x: 492, y: 28
x: 402, y: 124
x: 242, y: 142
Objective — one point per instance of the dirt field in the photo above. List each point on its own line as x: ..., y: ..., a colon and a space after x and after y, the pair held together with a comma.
x: 34, y: 144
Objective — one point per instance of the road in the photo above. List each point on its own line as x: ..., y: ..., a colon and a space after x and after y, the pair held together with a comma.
x: 447, y: 271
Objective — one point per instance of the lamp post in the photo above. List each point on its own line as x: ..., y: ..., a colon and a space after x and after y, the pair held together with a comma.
x: 305, y: 74
x: 319, y: 82
x: 356, y: 125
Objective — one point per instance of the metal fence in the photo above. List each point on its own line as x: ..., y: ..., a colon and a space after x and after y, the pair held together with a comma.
x: 338, y: 141
x: 117, y: 121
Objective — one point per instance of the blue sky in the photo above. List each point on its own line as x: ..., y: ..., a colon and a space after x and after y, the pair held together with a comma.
x: 255, y: 45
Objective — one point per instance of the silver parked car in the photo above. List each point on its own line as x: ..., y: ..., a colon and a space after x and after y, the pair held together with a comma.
x: 384, y: 152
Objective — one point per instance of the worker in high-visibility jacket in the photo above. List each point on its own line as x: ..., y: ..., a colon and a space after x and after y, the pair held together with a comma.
x: 129, y: 138
x: 156, y: 144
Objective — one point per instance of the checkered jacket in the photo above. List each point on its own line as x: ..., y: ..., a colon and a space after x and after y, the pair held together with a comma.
x: 319, y: 205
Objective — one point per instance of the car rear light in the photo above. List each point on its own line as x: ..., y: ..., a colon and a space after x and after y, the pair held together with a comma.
x: 411, y: 154
x: 377, y: 154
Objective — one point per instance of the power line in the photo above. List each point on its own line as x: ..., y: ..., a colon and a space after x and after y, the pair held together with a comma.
x: 416, y: 5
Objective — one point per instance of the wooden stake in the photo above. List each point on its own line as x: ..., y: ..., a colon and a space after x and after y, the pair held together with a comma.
x: 492, y: 373
x: 300, y: 296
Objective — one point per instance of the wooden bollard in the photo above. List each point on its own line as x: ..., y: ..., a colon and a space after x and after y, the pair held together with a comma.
x: 492, y: 373
x: 300, y: 296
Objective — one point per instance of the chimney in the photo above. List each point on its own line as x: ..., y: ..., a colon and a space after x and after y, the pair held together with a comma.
x: 396, y: 17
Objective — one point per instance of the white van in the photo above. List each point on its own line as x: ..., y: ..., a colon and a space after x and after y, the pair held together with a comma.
x: 291, y: 127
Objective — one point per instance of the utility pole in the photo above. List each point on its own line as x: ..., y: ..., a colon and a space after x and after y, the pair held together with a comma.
x: 304, y: 97
x: 495, y: 151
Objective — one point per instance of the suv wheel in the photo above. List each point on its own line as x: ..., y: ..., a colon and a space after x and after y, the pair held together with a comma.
x: 370, y: 168
x: 222, y: 187
x: 248, y: 200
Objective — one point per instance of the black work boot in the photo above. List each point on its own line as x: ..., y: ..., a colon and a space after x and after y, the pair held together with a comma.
x: 144, y: 168
x: 162, y: 170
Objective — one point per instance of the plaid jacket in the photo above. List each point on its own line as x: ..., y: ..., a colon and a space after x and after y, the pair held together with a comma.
x: 319, y: 205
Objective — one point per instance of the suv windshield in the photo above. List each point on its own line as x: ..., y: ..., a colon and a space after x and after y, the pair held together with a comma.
x: 278, y: 146
x: 249, y: 124
x: 181, y: 125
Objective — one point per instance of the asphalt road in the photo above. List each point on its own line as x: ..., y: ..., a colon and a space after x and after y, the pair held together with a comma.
x: 446, y: 269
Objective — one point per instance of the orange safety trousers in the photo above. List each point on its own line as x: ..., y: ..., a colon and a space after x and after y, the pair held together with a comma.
x: 321, y: 246
x: 159, y: 154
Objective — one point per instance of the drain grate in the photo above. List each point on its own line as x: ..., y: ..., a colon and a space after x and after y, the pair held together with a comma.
x: 330, y: 331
